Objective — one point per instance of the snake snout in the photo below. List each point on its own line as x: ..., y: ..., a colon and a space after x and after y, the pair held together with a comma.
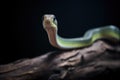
x: 48, y: 16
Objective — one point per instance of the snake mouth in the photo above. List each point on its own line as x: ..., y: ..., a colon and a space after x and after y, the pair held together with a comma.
x: 47, y: 22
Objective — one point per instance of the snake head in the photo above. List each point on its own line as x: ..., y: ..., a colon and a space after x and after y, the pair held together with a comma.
x: 49, y: 21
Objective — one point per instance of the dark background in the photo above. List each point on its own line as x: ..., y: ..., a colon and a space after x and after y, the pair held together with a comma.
x: 23, y: 35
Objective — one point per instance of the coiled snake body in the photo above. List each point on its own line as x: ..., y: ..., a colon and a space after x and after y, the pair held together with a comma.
x: 50, y: 25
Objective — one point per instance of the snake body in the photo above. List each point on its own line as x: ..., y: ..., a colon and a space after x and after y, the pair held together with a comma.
x: 50, y: 25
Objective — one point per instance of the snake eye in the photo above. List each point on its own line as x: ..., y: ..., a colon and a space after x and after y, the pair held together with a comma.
x: 54, y: 20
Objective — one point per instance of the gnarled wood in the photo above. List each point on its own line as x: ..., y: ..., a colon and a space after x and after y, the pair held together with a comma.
x: 69, y: 65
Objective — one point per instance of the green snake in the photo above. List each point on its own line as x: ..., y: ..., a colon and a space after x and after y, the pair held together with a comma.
x: 50, y: 25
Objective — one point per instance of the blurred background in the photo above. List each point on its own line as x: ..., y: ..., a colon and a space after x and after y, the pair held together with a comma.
x: 23, y: 35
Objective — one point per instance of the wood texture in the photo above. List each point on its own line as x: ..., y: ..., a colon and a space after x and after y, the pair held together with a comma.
x: 85, y: 63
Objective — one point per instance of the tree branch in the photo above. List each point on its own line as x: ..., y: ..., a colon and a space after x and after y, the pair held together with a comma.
x: 74, y: 64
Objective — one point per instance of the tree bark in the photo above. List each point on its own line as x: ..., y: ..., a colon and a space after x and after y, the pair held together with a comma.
x: 85, y: 63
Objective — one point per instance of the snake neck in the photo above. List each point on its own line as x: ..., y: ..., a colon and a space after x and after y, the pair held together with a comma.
x: 52, y: 33
x: 64, y: 43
